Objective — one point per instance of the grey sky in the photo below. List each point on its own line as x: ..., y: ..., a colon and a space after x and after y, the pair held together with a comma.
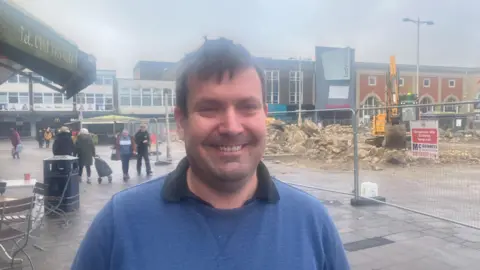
x: 121, y: 32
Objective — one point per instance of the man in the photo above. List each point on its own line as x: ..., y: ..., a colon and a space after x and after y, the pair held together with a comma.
x: 142, y: 140
x: 16, y: 143
x: 125, y: 146
x: 220, y: 208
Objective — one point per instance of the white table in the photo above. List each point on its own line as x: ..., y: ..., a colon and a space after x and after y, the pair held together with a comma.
x: 19, y: 183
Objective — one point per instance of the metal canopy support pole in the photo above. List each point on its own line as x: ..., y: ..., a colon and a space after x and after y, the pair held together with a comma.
x: 167, y: 124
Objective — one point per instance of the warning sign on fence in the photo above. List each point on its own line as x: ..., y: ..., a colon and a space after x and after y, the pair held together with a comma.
x: 424, y: 138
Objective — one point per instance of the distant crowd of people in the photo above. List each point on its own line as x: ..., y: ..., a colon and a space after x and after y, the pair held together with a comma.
x: 80, y: 144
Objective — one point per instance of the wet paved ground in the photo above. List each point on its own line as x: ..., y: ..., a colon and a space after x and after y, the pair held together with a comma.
x: 376, y: 237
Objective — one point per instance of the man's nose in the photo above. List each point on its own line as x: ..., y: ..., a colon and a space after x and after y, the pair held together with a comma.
x: 231, y: 123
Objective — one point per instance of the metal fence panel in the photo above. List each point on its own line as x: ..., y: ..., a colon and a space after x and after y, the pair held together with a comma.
x: 448, y: 187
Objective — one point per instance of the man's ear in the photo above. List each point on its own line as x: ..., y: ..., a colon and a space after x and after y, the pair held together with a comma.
x: 181, y: 121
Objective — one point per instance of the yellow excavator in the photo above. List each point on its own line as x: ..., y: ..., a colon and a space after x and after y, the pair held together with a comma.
x: 389, y: 128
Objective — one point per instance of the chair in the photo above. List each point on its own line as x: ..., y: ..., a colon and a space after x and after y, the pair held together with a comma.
x: 19, y: 207
x: 49, y: 208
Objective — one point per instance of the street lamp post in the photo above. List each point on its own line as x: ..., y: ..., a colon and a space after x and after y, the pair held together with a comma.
x: 418, y: 22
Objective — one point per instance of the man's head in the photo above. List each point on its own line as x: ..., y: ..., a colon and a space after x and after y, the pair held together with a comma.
x: 143, y: 127
x: 125, y: 132
x: 221, y: 113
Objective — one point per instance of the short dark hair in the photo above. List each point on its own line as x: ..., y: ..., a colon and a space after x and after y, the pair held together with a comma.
x: 213, y: 59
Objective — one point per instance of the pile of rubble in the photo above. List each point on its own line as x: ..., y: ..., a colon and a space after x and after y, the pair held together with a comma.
x: 459, y: 136
x: 334, y: 144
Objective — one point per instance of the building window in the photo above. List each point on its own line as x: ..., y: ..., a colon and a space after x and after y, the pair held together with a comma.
x: 12, y: 97
x: 157, y: 97
x: 272, y: 86
x: 36, y: 78
x: 368, y: 105
x: 104, y: 80
x: 37, y: 98
x: 426, y: 83
x: 125, y: 97
x: 47, y: 98
x: 295, y: 86
x: 13, y: 79
x: 401, y: 82
x: 451, y: 83
x: 22, y: 79
x: 3, y: 98
x: 23, y: 98
x: 57, y: 98
x: 108, y: 102
x: 451, y: 108
x: 99, y: 99
x: 67, y: 101
x: 425, y: 101
x: 90, y: 98
x: 372, y: 80
x: 136, y: 97
x: 146, y: 97
x: 81, y: 98
x: 107, y: 81
x: 171, y: 99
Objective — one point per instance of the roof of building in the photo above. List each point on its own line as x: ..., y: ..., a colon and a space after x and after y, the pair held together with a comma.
x: 413, y: 68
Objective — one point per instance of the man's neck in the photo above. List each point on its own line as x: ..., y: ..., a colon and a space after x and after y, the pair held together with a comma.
x: 218, y: 199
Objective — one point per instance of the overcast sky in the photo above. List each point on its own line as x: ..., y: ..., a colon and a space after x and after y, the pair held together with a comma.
x: 121, y: 32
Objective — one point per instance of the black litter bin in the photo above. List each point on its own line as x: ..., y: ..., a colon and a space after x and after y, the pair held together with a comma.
x: 58, y: 171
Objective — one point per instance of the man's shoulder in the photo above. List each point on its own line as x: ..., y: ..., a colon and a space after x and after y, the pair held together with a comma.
x: 298, y: 199
x: 142, y: 193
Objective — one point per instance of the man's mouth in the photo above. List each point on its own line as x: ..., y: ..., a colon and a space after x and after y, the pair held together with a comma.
x: 229, y: 148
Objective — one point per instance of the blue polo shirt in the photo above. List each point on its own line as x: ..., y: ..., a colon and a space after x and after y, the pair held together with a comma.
x: 160, y: 224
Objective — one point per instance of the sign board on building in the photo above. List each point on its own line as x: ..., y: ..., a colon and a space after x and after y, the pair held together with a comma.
x: 424, y: 138
x: 336, y: 64
x: 14, y: 107
x: 22, y: 31
x: 53, y: 107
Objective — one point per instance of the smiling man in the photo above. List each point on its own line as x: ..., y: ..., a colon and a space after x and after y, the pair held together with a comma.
x: 220, y: 208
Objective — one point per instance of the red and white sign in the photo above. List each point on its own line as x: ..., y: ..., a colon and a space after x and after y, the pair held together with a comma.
x: 424, y: 138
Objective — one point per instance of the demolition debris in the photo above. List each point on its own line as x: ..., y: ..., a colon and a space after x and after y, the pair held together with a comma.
x: 334, y: 144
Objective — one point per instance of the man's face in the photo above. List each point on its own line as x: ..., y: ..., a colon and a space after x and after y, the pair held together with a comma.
x: 143, y: 128
x: 224, y: 131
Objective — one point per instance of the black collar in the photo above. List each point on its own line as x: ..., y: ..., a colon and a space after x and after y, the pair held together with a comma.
x: 175, y: 187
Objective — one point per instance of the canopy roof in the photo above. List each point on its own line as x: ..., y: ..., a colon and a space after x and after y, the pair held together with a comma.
x: 26, y: 42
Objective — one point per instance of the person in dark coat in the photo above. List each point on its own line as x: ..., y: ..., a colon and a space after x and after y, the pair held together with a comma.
x: 85, y: 151
x: 142, y: 140
x: 40, y: 138
x: 63, y: 144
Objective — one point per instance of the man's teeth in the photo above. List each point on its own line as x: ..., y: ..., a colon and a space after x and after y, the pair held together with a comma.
x: 230, y: 148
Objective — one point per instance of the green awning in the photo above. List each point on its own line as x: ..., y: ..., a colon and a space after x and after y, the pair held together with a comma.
x: 36, y: 46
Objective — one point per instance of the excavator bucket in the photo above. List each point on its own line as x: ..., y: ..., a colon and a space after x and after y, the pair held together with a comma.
x: 395, y: 136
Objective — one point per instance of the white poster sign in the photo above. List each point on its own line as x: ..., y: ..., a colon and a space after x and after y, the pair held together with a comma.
x: 53, y: 107
x: 424, y: 138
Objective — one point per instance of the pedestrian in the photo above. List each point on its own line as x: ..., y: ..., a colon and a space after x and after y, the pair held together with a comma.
x: 48, y: 136
x: 40, y: 138
x: 220, y: 208
x: 16, y: 143
x: 63, y: 144
x: 142, y: 140
x: 85, y: 151
x: 125, y: 146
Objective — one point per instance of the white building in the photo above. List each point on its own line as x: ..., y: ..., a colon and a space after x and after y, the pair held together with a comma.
x: 145, y: 98
x: 31, y: 108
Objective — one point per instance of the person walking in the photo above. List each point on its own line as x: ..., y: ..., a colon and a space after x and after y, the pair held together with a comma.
x: 142, y: 140
x: 48, y: 136
x: 16, y: 143
x: 40, y: 138
x: 125, y: 145
x: 85, y: 151
x: 220, y: 208
x: 63, y: 144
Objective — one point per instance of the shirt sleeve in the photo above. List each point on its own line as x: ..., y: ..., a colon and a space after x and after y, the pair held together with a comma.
x: 335, y: 256
x: 96, y: 248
